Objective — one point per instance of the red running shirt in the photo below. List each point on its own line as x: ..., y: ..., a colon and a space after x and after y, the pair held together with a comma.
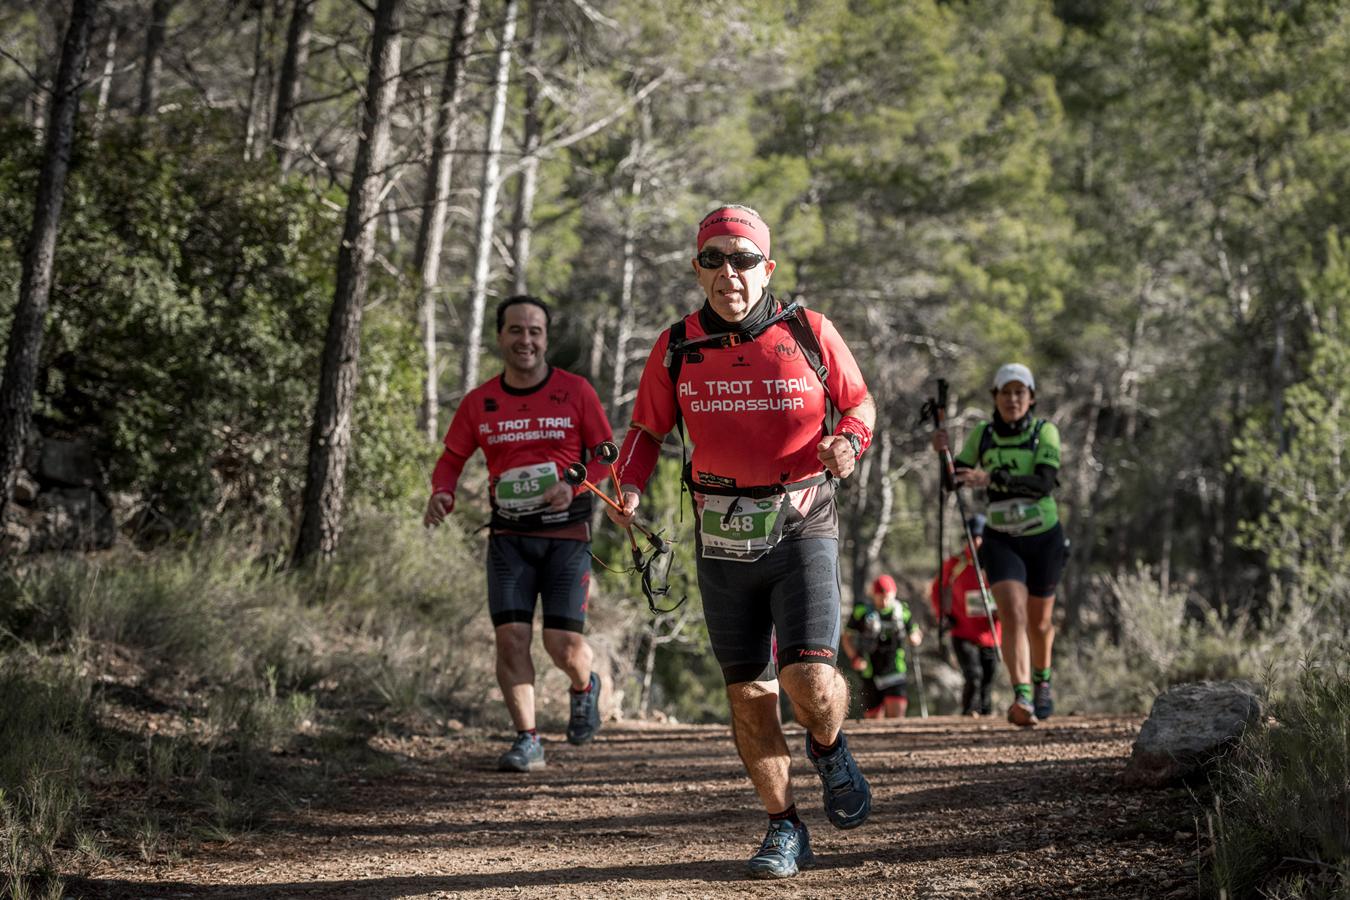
x: 967, y: 606
x: 536, y: 431
x: 755, y: 412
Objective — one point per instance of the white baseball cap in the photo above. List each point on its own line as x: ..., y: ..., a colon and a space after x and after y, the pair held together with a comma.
x: 1014, y: 372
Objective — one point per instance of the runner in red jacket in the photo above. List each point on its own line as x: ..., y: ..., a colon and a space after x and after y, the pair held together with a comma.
x: 532, y: 422
x: 959, y: 606
x: 750, y: 378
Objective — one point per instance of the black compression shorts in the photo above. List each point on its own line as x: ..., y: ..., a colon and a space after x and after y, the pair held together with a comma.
x: 521, y: 569
x: 793, y: 589
x: 1036, y: 560
x: 873, y: 696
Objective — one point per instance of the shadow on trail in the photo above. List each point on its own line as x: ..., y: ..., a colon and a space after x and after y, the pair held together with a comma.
x: 610, y: 878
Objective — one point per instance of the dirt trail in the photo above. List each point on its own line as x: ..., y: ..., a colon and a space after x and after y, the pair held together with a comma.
x: 961, y: 808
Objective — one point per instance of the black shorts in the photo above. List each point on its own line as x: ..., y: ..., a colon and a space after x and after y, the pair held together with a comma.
x: 1036, y: 560
x: 793, y: 590
x: 521, y: 568
x: 873, y: 696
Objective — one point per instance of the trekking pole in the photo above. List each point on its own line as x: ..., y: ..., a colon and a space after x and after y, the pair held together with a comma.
x: 913, y: 652
x: 608, y: 453
x: 575, y: 475
x: 939, y: 415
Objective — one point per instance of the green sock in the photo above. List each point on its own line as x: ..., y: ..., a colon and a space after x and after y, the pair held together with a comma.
x: 1039, y: 675
x: 1023, y: 691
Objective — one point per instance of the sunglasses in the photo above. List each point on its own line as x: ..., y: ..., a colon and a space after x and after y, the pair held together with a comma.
x: 740, y: 260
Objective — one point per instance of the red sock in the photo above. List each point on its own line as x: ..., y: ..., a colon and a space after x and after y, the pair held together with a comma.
x: 585, y: 690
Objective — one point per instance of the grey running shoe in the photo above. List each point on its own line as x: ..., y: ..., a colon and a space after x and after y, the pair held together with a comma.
x: 525, y: 754
x: 585, y: 720
x: 848, y: 798
x: 1044, y: 702
x: 786, y: 849
x: 1021, y: 713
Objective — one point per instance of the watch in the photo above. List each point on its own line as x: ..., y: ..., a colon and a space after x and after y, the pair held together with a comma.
x: 854, y: 441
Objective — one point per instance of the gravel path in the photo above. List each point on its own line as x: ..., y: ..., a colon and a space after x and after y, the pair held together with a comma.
x: 961, y: 808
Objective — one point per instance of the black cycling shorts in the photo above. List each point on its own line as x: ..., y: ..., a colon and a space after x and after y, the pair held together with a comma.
x: 873, y: 696
x: 793, y: 590
x: 521, y: 568
x: 1036, y: 560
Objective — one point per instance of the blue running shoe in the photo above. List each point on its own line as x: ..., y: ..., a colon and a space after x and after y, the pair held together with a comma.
x: 585, y: 718
x: 1044, y: 700
x: 786, y: 849
x: 525, y: 754
x: 848, y: 798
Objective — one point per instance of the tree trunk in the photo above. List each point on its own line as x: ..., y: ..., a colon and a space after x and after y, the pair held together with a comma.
x: 330, y: 437
x: 105, y: 80
x: 624, y: 314
x: 487, y: 207
x: 254, y: 82
x: 436, y: 204
x: 153, y: 62
x: 887, y: 505
x: 30, y: 314
x: 522, y: 224
x: 288, y: 82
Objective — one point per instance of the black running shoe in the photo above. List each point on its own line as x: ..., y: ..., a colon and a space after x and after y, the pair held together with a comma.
x: 1044, y: 700
x: 525, y: 754
x: 786, y: 849
x: 848, y: 798
x: 585, y: 720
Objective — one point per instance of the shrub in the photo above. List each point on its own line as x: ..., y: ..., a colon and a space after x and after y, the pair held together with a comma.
x: 1281, y: 820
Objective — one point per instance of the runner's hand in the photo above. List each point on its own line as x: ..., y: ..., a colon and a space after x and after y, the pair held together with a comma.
x: 438, y: 507
x: 858, y: 663
x: 972, y: 477
x: 836, y: 453
x: 559, y: 497
x: 915, y: 637
x: 630, y: 505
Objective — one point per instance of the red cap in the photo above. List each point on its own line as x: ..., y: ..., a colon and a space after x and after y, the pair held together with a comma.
x: 883, y: 585
x: 736, y: 221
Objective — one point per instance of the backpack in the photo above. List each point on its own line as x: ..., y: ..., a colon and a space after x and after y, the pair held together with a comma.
x: 679, y: 348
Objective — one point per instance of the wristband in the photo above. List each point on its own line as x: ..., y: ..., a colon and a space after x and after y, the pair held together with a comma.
x: 852, y: 425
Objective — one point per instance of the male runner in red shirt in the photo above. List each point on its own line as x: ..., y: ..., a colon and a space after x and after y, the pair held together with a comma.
x: 958, y: 604
x: 532, y: 422
x: 751, y: 386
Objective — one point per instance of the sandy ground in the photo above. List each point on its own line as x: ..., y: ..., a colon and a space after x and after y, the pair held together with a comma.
x: 962, y: 808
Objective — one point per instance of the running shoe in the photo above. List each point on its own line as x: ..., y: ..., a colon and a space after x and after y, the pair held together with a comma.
x: 786, y: 849
x: 1044, y: 700
x: 1021, y: 713
x: 585, y: 720
x: 848, y: 798
x: 525, y: 754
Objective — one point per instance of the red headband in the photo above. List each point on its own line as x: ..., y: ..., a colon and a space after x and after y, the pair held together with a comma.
x: 737, y: 222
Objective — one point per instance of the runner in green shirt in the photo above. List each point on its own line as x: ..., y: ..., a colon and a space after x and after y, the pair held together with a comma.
x: 1015, y: 456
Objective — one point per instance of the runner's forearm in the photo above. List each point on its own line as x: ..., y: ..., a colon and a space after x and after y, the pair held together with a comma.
x: 637, y: 458
x: 1041, y: 484
x: 445, y: 476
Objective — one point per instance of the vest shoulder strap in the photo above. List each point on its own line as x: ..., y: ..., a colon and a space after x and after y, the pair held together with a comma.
x: 987, y: 439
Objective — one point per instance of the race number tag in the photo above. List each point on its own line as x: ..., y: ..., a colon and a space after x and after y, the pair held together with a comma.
x: 974, y: 605
x: 740, y: 528
x: 521, y: 490
x: 1015, y: 516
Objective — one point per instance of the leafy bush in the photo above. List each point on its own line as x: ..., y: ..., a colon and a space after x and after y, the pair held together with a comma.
x: 187, y: 319
x: 1281, y: 819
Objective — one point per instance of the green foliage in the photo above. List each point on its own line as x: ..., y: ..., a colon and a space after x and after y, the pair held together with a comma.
x: 1279, y: 822
x: 45, y: 740
x: 1302, y: 529
x: 191, y: 297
